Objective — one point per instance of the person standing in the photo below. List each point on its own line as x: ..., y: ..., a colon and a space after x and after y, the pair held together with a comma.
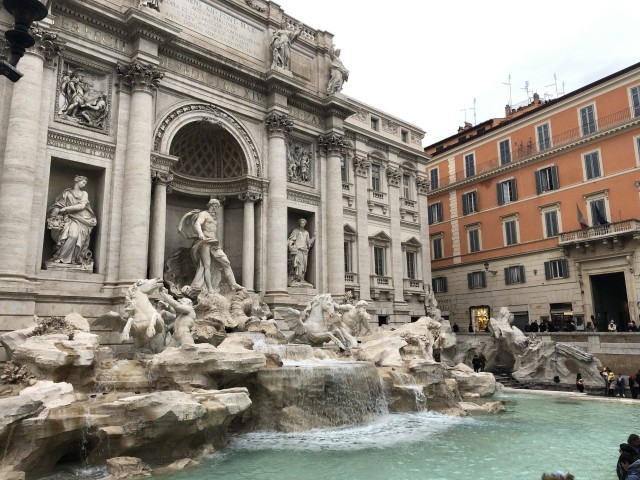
x: 475, y: 361
x: 611, y: 377
x: 620, y: 385
x: 455, y: 328
x: 483, y: 361
x: 579, y: 382
x: 612, y: 326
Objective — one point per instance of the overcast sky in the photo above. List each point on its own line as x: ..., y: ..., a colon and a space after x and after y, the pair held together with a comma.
x: 426, y: 61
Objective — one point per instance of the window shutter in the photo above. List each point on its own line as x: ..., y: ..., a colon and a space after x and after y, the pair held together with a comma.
x: 500, y: 194
x: 565, y: 268
x: 522, y: 277
x: 554, y: 177
x: 507, y: 277
x: 465, y: 204
x: 476, y: 204
x: 538, y: 182
x: 470, y: 280
x: 444, y: 284
x: 430, y: 214
x: 439, y: 212
x: 515, y: 189
x: 549, y: 225
x: 484, y: 278
x: 585, y: 120
x: 547, y: 270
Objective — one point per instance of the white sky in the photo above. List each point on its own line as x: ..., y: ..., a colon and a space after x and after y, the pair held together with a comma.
x: 425, y: 61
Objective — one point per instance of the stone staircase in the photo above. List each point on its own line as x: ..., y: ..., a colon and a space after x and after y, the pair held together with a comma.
x: 508, y: 381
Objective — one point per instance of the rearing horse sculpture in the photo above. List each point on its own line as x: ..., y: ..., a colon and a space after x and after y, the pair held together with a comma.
x: 309, y: 325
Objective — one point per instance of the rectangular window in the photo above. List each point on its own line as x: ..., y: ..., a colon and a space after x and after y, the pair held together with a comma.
x: 411, y: 265
x: 348, y: 265
x: 434, y: 178
x: 374, y: 123
x: 514, y: 275
x: 547, y: 179
x: 470, y: 202
x: 544, y: 137
x: 343, y: 169
x: 474, y: 240
x: 404, y: 135
x: 435, y: 213
x: 505, y: 151
x: 439, y: 284
x: 592, y: 165
x: 436, y: 248
x: 406, y: 186
x: 598, y: 212
x: 588, y: 119
x: 375, y: 178
x: 477, y: 279
x: 635, y: 100
x: 551, y: 223
x: 556, y: 269
x: 469, y: 165
x: 378, y: 261
x: 507, y: 191
x: 510, y: 232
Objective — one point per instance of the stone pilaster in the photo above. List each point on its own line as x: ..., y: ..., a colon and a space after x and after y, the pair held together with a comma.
x: 158, y: 227
x: 361, y: 167
x: 248, y: 239
x: 394, y: 178
x: 422, y: 187
x: 23, y: 132
x: 142, y: 81
x: 278, y: 127
x: 334, y: 146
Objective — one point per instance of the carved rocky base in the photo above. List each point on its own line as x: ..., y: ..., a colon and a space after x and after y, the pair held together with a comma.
x: 301, y: 284
x: 69, y: 267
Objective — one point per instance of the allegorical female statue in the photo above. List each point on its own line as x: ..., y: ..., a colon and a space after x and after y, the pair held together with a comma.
x: 299, y: 245
x: 71, y: 221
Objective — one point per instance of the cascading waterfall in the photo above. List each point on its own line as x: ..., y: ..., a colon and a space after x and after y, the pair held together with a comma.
x: 317, y: 395
x: 407, y: 382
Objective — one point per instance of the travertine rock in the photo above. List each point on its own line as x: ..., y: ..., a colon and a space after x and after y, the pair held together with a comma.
x: 11, y: 340
x: 382, y: 348
x: 482, y: 384
x: 50, y: 394
x: 123, y: 468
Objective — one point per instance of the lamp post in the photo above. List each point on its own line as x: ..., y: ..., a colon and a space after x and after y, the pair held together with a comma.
x: 25, y: 12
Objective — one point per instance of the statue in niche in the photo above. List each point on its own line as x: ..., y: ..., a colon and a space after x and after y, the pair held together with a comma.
x: 75, y: 103
x: 281, y: 46
x: 339, y: 74
x: 206, y: 252
x: 71, y: 221
x: 299, y: 244
x: 155, y: 4
x: 299, y: 164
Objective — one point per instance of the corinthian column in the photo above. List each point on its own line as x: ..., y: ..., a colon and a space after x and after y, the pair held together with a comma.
x: 249, y: 238
x: 20, y: 158
x: 158, y: 223
x: 334, y: 147
x: 141, y: 81
x: 278, y: 126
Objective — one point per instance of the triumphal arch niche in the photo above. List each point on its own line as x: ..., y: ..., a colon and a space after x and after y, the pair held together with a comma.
x: 209, y: 155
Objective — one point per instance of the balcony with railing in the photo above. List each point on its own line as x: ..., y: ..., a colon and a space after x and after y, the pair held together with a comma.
x: 610, y: 232
x: 524, y: 151
x: 350, y: 279
x: 381, y: 283
x: 412, y: 285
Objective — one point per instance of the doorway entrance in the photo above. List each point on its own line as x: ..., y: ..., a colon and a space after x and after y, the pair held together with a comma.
x: 610, y: 300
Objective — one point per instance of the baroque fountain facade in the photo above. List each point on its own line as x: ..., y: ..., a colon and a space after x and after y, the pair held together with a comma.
x: 208, y: 234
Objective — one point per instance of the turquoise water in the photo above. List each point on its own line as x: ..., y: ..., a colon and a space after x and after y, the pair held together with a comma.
x: 537, y: 433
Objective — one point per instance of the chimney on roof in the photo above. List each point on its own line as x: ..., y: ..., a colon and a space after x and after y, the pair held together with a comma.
x: 536, y: 98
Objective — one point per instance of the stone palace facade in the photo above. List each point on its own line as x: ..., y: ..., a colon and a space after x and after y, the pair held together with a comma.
x: 133, y: 113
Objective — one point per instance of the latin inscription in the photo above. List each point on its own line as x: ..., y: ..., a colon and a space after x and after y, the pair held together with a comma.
x: 213, y: 23
x: 306, y: 117
x: 91, y: 33
x: 211, y: 80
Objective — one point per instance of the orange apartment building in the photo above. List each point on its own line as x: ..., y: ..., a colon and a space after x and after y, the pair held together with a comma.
x: 539, y: 211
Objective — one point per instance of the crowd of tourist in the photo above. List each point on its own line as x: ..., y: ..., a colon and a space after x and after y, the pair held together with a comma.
x: 628, y: 467
x: 615, y: 385
x: 546, y: 325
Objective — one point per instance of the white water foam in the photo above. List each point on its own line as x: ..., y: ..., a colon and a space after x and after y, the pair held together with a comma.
x: 388, y: 431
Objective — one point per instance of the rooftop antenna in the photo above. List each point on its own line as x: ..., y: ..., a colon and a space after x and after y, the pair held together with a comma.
x: 465, y: 114
x: 475, y: 120
x: 555, y: 84
x: 509, y: 83
x: 526, y: 89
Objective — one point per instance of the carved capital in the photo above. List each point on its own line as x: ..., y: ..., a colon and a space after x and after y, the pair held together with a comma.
x: 136, y: 76
x: 333, y: 144
x: 423, y: 185
x: 361, y: 166
x: 278, y: 124
x: 394, y: 176
x: 252, y: 197
x: 162, y: 178
x: 47, y: 45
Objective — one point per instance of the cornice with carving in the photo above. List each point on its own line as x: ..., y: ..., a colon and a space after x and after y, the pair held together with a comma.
x: 137, y: 76
x: 79, y: 144
x: 110, y: 20
x: 332, y: 143
x: 278, y: 124
x: 163, y: 163
x: 410, y: 225
x: 218, y: 112
x: 302, y: 197
x: 202, y: 186
x: 249, y: 196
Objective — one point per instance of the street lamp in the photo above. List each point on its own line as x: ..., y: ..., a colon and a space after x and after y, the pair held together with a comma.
x: 486, y: 269
x: 25, y: 12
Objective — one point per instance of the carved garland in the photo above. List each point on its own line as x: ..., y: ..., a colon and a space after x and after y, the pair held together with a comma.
x: 393, y: 176
x: 207, y: 107
x: 423, y: 185
x: 361, y: 166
